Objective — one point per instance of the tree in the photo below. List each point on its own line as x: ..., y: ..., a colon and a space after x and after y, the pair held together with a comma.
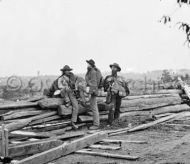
x: 181, y: 25
x: 166, y: 76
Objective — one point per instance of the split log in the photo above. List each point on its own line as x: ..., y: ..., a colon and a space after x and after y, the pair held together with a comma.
x: 144, y: 107
x: 150, y: 124
x: 67, y: 111
x: 33, y: 148
x: 162, y: 110
x: 29, y: 134
x: 145, y: 102
x: 150, y: 96
x: 45, y: 120
x: 103, y: 147
x: 115, y: 141
x: 108, y: 155
x: 50, y: 103
x: 16, y: 115
x: 24, y: 122
x: 63, y: 149
x: 90, y: 118
x: 66, y: 136
x: 17, y: 105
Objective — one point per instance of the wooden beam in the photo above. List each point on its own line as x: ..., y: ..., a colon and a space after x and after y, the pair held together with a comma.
x: 33, y: 148
x: 116, y: 141
x: 150, y: 124
x: 17, y: 105
x: 63, y: 149
x: 24, y: 122
x: 104, y: 147
x: 107, y: 155
x: 20, y: 114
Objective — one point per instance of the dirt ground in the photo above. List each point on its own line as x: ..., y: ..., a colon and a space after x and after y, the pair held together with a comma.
x: 166, y: 144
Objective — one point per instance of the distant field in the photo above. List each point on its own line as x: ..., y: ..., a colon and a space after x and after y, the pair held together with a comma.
x: 15, y: 87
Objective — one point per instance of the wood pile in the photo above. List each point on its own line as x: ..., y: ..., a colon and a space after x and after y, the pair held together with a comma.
x: 40, y: 128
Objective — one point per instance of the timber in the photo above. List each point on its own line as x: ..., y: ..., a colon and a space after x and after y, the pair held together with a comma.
x: 17, y: 105
x: 33, y: 148
x: 104, y: 147
x: 63, y: 149
x: 108, y: 155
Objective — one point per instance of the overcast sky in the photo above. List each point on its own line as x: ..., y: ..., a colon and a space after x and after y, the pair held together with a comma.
x: 44, y: 35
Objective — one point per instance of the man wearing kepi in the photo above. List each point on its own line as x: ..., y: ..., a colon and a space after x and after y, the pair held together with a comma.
x: 116, y: 88
x: 93, y: 79
x: 64, y: 87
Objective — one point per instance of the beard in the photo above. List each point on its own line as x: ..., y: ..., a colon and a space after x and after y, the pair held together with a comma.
x: 89, y: 68
x: 114, y: 72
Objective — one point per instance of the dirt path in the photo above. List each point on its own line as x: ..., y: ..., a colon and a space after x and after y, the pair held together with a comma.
x: 165, y: 145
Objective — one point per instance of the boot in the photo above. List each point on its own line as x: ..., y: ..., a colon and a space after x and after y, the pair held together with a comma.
x: 116, y: 115
x: 74, y: 126
x: 111, y: 116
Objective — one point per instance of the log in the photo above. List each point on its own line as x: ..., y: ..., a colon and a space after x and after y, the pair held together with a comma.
x: 162, y: 110
x: 29, y: 134
x: 20, y: 114
x: 145, y: 102
x: 148, y: 107
x: 103, y: 147
x: 90, y: 118
x: 68, y: 135
x: 150, y: 96
x: 24, y: 122
x: 64, y: 111
x: 107, y: 155
x: 33, y: 148
x: 150, y: 124
x: 50, y: 103
x: 116, y: 141
x: 63, y: 149
x: 17, y: 105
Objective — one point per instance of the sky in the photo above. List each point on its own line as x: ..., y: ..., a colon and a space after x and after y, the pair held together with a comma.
x: 45, y: 35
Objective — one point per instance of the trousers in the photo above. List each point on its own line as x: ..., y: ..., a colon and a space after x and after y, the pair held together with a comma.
x: 94, y: 109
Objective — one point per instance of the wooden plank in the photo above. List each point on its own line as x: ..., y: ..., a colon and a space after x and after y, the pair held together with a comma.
x: 21, y: 114
x: 68, y: 135
x: 50, y: 103
x: 29, y: 134
x: 116, y: 141
x: 150, y: 124
x: 107, y: 155
x: 45, y: 120
x: 85, y: 118
x: 3, y: 141
x: 33, y: 148
x: 104, y: 147
x: 63, y: 149
x: 24, y: 122
x: 17, y: 105
x: 6, y: 134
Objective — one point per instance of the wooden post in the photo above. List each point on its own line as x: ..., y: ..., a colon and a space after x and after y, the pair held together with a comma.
x: 6, y: 136
x: 3, y: 141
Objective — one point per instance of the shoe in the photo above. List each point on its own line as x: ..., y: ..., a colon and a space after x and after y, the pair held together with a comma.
x: 74, y: 126
x: 94, y: 127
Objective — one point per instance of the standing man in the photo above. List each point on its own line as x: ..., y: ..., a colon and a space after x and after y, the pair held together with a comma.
x: 116, y: 88
x: 93, y: 79
x: 64, y: 87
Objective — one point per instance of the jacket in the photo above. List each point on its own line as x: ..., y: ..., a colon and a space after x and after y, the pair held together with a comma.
x: 92, y: 81
x: 116, y: 85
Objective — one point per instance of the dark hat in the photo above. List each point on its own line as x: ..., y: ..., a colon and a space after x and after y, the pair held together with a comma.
x: 91, y: 62
x: 116, y: 65
x: 66, y: 68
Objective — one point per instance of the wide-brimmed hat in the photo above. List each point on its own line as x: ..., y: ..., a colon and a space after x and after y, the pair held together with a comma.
x: 91, y: 62
x: 66, y: 68
x: 115, y: 65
